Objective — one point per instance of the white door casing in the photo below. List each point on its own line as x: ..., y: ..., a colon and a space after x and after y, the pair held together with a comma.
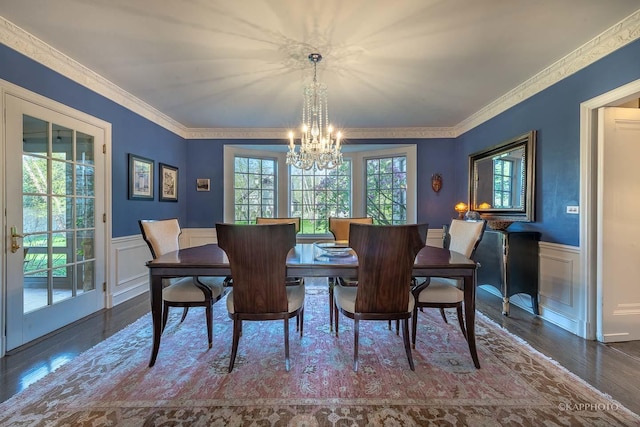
x: 23, y: 327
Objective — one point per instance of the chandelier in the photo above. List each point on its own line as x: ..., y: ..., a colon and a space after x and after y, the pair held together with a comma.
x: 319, y: 146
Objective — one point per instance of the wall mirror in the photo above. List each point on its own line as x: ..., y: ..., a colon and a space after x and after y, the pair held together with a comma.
x: 502, y: 180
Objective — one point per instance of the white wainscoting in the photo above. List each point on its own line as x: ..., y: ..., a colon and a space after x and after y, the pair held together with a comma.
x: 562, y: 295
x: 128, y: 271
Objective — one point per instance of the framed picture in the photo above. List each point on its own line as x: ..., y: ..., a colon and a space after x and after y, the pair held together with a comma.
x: 140, y: 178
x: 202, y: 184
x: 168, y: 183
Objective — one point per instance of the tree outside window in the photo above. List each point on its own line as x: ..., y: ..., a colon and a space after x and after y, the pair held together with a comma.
x: 254, y: 189
x: 386, y: 190
x: 316, y: 195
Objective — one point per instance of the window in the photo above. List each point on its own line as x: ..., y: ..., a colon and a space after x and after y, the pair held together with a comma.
x: 318, y: 194
x: 269, y: 187
x: 502, y: 183
x: 386, y: 189
x: 254, y: 189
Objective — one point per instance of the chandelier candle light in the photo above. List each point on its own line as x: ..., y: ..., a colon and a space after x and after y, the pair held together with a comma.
x: 318, y: 150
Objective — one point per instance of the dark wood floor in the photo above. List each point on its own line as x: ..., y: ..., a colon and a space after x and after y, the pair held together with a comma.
x: 613, y: 369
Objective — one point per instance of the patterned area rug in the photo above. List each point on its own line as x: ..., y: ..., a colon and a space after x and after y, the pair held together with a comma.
x: 189, y: 385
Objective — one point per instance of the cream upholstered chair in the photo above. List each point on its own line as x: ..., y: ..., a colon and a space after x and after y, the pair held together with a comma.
x: 386, y: 254
x: 292, y: 220
x: 339, y: 227
x: 440, y: 292
x: 162, y: 236
x: 258, y: 259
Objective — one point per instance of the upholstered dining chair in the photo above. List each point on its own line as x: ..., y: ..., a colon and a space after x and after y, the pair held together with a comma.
x: 257, y: 257
x: 291, y: 220
x: 291, y: 281
x: 440, y: 292
x: 386, y: 254
x: 339, y: 227
x: 162, y: 236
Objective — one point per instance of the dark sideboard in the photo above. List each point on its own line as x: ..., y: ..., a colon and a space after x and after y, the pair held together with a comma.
x: 509, y: 261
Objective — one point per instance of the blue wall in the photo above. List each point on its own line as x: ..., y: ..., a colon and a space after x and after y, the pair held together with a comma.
x: 553, y: 113
x: 131, y: 133
x: 434, y: 155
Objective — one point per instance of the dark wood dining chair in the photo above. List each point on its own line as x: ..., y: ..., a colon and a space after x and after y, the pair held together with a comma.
x: 291, y: 281
x: 162, y: 236
x: 257, y: 257
x: 442, y: 292
x: 339, y: 227
x: 386, y: 254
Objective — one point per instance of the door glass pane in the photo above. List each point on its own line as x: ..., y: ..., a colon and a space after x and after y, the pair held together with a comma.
x: 85, y: 184
x: 35, y: 286
x: 62, y: 177
x: 34, y: 177
x: 35, y: 216
x: 63, y: 283
x: 62, y: 143
x: 35, y: 253
x: 85, y: 245
x: 58, y: 213
x: 86, y: 277
x: 35, y: 135
x: 84, y: 148
x: 85, y: 212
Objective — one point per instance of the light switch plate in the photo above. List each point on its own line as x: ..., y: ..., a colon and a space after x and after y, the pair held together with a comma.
x: 573, y: 210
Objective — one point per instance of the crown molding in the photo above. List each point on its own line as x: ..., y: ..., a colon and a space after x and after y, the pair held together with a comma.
x: 349, y: 133
x: 619, y: 35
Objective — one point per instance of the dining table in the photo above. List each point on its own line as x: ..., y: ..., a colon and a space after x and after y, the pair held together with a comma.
x: 308, y: 260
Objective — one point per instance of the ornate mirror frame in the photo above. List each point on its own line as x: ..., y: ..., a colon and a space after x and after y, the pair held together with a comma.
x: 510, y: 197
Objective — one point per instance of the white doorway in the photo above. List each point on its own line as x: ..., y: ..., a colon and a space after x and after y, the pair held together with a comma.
x: 613, y: 298
x: 55, y: 223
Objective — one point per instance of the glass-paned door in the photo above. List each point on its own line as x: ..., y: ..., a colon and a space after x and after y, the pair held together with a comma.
x: 56, y: 242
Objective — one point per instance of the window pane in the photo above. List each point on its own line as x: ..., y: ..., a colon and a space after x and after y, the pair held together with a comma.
x: 318, y: 194
x: 386, y: 182
x: 254, y: 189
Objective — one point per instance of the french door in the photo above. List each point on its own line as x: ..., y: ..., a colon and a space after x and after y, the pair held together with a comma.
x: 54, y: 220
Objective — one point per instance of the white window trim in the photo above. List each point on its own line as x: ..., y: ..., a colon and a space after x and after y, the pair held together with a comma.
x: 358, y: 205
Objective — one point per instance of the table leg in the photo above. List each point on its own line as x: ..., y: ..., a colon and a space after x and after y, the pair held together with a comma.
x: 470, y: 315
x: 155, y: 290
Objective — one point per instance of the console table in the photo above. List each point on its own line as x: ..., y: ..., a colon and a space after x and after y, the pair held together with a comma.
x: 509, y: 261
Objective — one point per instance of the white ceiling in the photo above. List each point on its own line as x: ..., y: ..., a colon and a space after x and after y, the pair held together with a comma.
x: 387, y: 64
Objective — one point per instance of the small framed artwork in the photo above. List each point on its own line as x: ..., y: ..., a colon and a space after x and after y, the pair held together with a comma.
x: 140, y: 178
x: 203, y: 184
x: 168, y: 183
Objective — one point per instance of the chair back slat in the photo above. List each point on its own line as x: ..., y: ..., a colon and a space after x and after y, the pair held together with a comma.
x: 386, y: 254
x: 257, y: 257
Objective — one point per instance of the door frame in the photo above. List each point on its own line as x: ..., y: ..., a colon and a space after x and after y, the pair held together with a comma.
x: 589, y: 219
x: 29, y: 96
